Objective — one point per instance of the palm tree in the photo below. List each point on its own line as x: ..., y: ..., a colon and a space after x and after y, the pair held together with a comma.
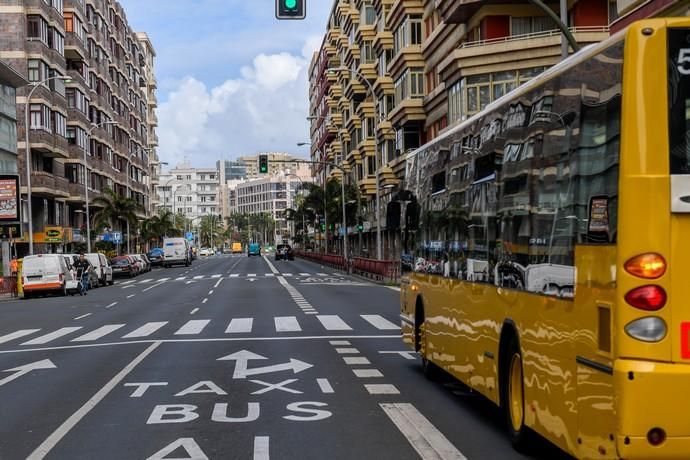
x: 114, y: 210
x: 159, y: 226
x: 210, y: 229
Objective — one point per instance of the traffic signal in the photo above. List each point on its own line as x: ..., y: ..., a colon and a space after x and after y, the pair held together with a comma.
x: 291, y: 9
x: 360, y: 225
x: 263, y: 164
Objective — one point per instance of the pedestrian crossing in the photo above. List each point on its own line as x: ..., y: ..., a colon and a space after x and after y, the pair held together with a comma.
x: 236, y: 326
x: 217, y: 276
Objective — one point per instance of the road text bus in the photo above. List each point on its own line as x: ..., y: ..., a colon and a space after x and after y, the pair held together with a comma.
x: 547, y: 250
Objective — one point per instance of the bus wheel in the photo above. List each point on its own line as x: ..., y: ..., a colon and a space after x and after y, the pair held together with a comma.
x: 514, y: 398
x: 429, y: 369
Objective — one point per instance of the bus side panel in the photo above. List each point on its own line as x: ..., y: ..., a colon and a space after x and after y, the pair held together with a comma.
x: 595, y: 301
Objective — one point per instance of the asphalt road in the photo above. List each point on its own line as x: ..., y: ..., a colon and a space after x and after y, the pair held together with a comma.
x: 232, y: 358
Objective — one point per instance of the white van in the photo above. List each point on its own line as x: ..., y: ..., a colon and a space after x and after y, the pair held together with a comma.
x: 102, y: 266
x: 45, y: 273
x: 176, y: 252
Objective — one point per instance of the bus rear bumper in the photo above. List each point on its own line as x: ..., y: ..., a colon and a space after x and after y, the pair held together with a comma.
x: 652, y: 396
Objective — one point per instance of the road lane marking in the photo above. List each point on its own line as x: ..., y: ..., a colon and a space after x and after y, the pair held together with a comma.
x: 347, y: 351
x: 205, y: 300
x: 194, y: 311
x: 261, y: 444
x: 304, y: 274
x: 128, y: 282
x: 181, y: 278
x: 380, y: 323
x: 407, y: 354
x: 367, y: 373
x: 19, y: 334
x: 198, y: 277
x: 394, y: 288
x: 145, y: 330
x: 251, y: 275
x: 80, y: 317
x: 311, y: 313
x: 269, y: 275
x: 52, y: 440
x: 235, y: 275
x: 287, y: 275
x: 146, y: 281
x: 333, y: 323
x: 325, y: 386
x: 286, y: 324
x: 216, y: 276
x: 240, y: 325
x: 339, y: 342
x: 111, y: 305
x: 163, y: 280
x: 322, y: 274
x: 193, y: 327
x: 130, y: 296
x: 355, y: 360
x: 215, y: 286
x: 151, y: 287
x: 52, y: 336
x: 424, y: 437
x: 381, y: 389
x: 98, y: 333
x: 210, y: 292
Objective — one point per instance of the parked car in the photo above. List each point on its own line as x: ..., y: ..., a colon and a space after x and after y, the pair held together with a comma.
x: 102, y: 267
x: 204, y: 252
x: 177, y: 252
x: 143, y: 267
x: 94, y: 281
x: 72, y: 283
x: 146, y: 261
x: 44, y: 273
x: 156, y: 256
x: 284, y: 252
x: 254, y: 249
x: 123, y: 266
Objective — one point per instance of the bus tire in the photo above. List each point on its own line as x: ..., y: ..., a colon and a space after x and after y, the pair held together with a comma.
x: 430, y: 370
x: 513, y: 396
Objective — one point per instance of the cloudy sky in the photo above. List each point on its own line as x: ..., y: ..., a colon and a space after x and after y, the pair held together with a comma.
x: 232, y: 80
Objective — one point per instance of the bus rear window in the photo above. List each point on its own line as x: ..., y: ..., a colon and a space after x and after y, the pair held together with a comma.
x: 679, y: 99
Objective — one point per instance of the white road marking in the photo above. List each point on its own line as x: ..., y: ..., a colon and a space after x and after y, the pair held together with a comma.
x: 52, y: 336
x: 304, y: 274
x: 251, y: 275
x: 146, y: 281
x: 286, y: 324
x: 325, y: 386
x: 240, y: 325
x: 216, y: 276
x: 180, y: 278
x: 311, y: 313
x: 287, y: 275
x: 322, y: 274
x: 78, y: 317
x: 261, y: 444
x: 355, y: 360
x: 111, y: 305
x: 151, y: 287
x: 205, y: 300
x: 130, y: 296
x: 128, y: 282
x: 394, y: 288
x: 20, y: 334
x: 424, y: 437
x: 217, y: 283
x: 367, y: 373
x: 234, y: 275
x: 347, y: 351
x: 194, y: 311
x: 198, y: 277
x: 405, y: 353
x: 52, y: 440
x: 339, y: 342
x: 381, y: 389
x: 210, y: 292
x: 163, y: 280
x: 333, y: 323
x: 193, y: 327
x: 98, y: 333
x: 145, y: 330
x: 380, y: 323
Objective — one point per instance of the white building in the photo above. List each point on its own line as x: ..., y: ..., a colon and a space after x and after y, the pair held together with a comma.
x: 190, y: 191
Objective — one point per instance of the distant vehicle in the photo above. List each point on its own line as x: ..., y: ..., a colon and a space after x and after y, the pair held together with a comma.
x: 45, y: 273
x: 254, y: 249
x: 237, y: 248
x: 156, y: 256
x: 123, y: 266
x: 177, y: 252
x: 204, y: 252
x: 145, y: 261
x: 284, y: 252
x: 72, y: 283
x: 102, y: 267
x: 94, y: 275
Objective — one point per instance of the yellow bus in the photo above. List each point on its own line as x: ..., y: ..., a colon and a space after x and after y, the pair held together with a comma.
x: 546, y: 250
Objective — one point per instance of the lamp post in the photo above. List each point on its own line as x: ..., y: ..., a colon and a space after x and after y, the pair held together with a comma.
x: 86, y: 182
x: 129, y: 192
x: 172, y: 205
x: 27, y: 149
x: 379, y: 249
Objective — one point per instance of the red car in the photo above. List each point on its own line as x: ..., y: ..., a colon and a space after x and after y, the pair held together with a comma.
x: 125, y: 266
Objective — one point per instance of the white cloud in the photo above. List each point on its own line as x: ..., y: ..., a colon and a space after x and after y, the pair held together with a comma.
x: 263, y: 110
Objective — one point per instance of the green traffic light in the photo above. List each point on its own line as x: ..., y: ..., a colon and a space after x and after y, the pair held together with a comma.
x: 291, y: 4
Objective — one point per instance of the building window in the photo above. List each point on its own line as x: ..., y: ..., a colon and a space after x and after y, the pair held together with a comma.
x: 59, y: 124
x: 40, y: 117
x: 530, y: 25
x: 455, y: 102
x: 367, y: 53
x: 368, y: 14
x: 408, y: 33
x: 37, y: 28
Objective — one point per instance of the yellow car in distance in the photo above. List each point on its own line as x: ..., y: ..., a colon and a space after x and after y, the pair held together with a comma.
x: 237, y: 248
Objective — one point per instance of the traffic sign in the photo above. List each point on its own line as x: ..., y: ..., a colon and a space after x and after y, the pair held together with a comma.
x: 189, y: 236
x: 116, y: 237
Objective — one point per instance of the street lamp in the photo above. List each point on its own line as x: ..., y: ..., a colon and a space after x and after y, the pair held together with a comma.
x: 27, y: 149
x: 86, y: 182
x: 379, y: 251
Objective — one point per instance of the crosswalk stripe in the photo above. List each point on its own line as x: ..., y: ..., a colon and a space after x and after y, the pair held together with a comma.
x: 194, y: 326
x: 163, y: 280
x: 333, y: 323
x: 380, y: 323
x: 198, y: 277
x: 17, y: 335
x: 322, y: 274
x: 128, y: 282
x: 146, y: 281
x: 235, y: 275
x: 304, y: 274
x: 98, y: 333
x: 251, y: 275
x: 269, y: 275
x: 216, y: 276
x: 240, y: 325
x: 52, y: 336
x: 287, y: 274
x: 180, y: 278
x: 145, y: 330
x: 286, y: 324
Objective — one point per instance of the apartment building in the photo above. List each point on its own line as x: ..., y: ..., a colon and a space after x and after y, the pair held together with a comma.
x: 190, y: 191
x: 91, y: 130
x: 276, y: 162
x: 406, y: 70
x: 633, y: 10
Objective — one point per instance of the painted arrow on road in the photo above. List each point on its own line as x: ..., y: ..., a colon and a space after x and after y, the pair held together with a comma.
x: 243, y: 357
x: 25, y: 369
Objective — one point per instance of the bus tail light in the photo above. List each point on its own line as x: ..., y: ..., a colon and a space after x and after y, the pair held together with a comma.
x: 649, y: 298
x: 648, y: 266
x: 649, y: 329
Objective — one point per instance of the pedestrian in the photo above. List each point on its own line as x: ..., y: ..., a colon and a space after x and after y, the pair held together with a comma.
x: 82, y: 266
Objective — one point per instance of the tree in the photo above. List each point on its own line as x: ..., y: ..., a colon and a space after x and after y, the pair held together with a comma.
x: 115, y: 211
x: 210, y: 230
x: 157, y: 227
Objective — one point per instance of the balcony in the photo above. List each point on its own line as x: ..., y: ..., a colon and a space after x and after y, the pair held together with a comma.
x: 409, y: 110
x: 74, y: 47
x: 49, y: 144
x: 460, y: 11
x: 48, y: 185
x: 520, y: 51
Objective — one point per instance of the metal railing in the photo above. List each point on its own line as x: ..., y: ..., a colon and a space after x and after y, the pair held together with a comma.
x: 543, y: 34
x: 381, y: 270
